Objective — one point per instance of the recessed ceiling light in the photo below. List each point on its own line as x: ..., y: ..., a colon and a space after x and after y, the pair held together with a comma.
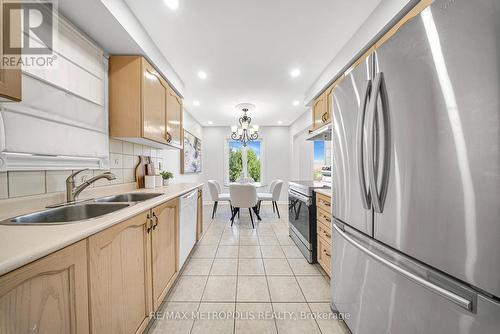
x: 172, y: 4
x: 295, y: 72
x: 210, y: 122
x: 296, y: 102
x: 280, y: 122
x: 202, y: 75
x: 196, y: 103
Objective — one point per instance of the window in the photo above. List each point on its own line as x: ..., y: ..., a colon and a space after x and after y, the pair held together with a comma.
x: 319, y: 159
x: 241, y: 160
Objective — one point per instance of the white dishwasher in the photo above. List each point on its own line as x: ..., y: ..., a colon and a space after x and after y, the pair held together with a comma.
x: 187, y: 224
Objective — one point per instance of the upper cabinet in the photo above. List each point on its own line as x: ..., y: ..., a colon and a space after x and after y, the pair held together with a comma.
x: 322, y: 106
x: 143, y: 108
x: 10, y: 78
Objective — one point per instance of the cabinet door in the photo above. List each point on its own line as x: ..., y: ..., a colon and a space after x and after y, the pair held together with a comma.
x: 120, y: 277
x: 164, y: 249
x: 324, y: 255
x: 10, y: 78
x: 319, y: 110
x: 174, y: 118
x: 154, y: 104
x: 48, y: 295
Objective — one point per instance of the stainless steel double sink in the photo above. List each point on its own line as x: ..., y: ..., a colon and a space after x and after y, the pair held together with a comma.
x: 80, y: 211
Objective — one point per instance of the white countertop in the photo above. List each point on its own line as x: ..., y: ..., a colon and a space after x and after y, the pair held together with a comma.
x: 20, y: 245
x: 326, y: 192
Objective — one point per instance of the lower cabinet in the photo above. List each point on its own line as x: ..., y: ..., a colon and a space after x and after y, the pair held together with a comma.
x: 199, y: 223
x: 120, y: 277
x: 164, y: 249
x: 324, y: 255
x: 48, y: 295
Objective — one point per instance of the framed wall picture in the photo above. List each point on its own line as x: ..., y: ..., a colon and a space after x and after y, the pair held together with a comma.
x: 191, y: 154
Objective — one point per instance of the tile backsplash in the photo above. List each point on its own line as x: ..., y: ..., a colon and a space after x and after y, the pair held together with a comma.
x: 123, y: 158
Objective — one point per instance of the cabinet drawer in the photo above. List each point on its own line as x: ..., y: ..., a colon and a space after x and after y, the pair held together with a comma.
x: 324, y: 217
x: 323, y: 202
x: 324, y: 232
x: 324, y: 255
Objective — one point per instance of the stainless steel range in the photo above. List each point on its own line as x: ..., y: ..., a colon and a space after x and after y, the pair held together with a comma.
x: 302, y: 216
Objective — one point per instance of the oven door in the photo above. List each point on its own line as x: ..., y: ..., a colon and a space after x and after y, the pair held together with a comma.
x: 299, y: 216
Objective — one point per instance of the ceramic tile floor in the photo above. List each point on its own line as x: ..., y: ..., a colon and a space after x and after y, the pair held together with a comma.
x: 244, y: 280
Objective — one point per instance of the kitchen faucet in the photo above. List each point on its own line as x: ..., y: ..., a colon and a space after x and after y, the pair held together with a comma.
x: 72, y: 191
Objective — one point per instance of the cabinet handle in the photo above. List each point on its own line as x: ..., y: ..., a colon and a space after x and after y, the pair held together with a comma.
x: 156, y: 219
x: 327, y: 235
x: 169, y: 137
x: 324, y: 203
x: 326, y: 253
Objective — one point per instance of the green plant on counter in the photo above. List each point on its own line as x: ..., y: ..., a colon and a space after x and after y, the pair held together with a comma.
x: 166, y: 175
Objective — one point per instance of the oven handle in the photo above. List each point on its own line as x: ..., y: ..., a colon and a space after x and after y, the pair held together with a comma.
x: 300, y: 197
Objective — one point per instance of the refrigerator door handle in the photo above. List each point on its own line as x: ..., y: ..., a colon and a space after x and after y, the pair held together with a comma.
x: 365, y: 194
x: 450, y: 295
x: 379, y: 90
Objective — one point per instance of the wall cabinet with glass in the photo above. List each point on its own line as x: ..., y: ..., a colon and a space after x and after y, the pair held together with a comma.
x: 143, y: 108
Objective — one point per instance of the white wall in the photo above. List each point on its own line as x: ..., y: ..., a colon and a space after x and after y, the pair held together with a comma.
x: 378, y: 19
x: 171, y: 158
x: 276, y: 151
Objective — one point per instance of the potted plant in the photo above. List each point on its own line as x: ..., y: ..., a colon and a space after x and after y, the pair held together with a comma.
x: 166, y: 176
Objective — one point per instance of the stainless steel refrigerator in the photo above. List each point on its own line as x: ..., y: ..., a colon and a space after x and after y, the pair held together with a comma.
x: 416, y: 167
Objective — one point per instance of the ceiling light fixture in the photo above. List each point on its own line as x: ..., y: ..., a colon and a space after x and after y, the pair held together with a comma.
x: 244, y: 132
x: 196, y: 103
x: 280, y: 122
x: 202, y: 75
x: 296, y: 102
x: 295, y: 72
x: 210, y: 122
x: 172, y: 4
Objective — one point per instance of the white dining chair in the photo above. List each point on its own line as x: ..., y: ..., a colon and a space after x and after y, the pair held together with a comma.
x: 217, y: 195
x: 243, y: 196
x: 272, y: 196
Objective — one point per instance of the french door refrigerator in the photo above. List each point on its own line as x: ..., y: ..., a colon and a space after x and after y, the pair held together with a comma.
x: 416, y: 166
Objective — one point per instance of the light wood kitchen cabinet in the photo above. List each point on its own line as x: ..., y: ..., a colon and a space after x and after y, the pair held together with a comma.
x: 10, y: 78
x: 48, y: 295
x: 199, y: 223
x: 174, y: 119
x: 165, y: 243
x: 319, y: 112
x: 324, y: 231
x: 120, y: 277
x: 143, y: 108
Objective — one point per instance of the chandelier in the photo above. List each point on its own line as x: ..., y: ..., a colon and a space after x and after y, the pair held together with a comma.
x: 245, y: 132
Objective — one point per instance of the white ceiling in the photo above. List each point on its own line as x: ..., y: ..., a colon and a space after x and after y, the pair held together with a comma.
x: 248, y: 48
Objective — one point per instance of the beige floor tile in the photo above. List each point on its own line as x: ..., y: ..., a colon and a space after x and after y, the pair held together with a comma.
x: 298, y: 319
x: 247, y: 232
x: 249, y: 252
x: 210, y: 322
x: 188, y: 289
x: 204, y: 252
x: 254, y: 319
x: 285, y: 240
x: 252, y: 289
x: 315, y: 288
x: 220, y: 289
x: 225, y: 267
x: 167, y: 323
x: 277, y: 267
x: 250, y: 267
x: 327, y: 320
x: 302, y: 267
x: 268, y: 240
x: 284, y: 289
x: 272, y: 252
x: 249, y: 240
x: 197, y: 267
x: 209, y: 240
x: 292, y: 252
x: 229, y: 240
x: 227, y: 252
x: 266, y: 232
